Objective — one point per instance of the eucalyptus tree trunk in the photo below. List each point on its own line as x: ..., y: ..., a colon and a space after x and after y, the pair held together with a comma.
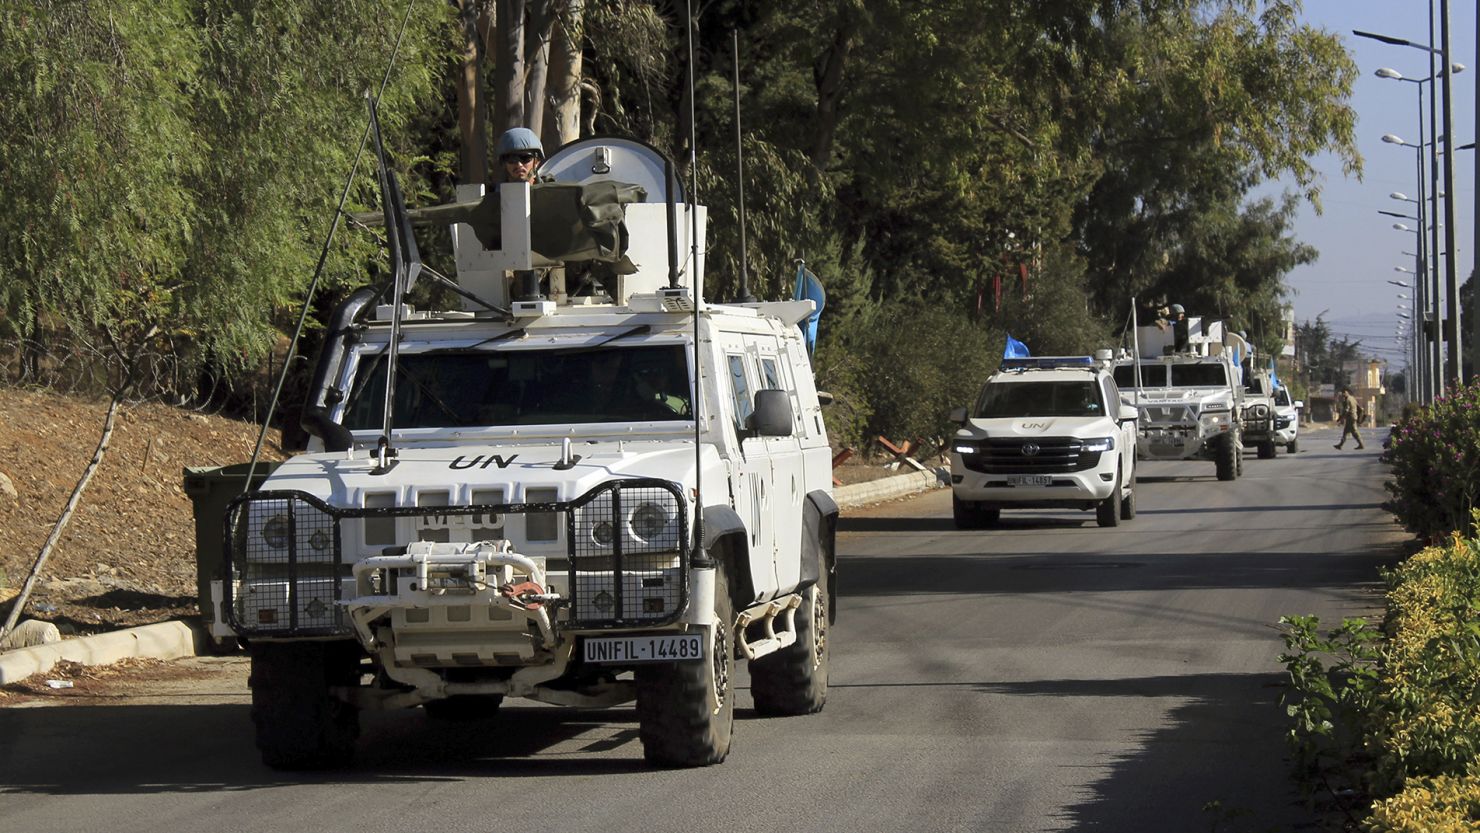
x: 538, y: 31
x: 472, y: 101
x: 509, y: 66
x: 563, y: 86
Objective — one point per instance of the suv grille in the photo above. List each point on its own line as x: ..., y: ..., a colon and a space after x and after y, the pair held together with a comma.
x: 1054, y: 455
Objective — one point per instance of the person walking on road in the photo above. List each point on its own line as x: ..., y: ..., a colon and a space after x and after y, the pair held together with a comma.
x: 1347, y: 410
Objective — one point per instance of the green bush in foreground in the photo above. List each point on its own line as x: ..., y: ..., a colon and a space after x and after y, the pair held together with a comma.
x: 1435, y: 459
x: 1395, y: 717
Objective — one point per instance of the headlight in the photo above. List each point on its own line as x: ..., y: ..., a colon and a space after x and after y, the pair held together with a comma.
x: 1099, y: 444
x: 649, y: 521
x: 275, y: 532
x: 965, y: 449
x: 603, y: 533
x: 320, y: 539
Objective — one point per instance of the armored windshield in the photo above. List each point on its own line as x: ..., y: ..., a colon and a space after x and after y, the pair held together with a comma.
x: 1209, y: 375
x: 1031, y: 399
x: 458, y: 389
x: 1152, y: 376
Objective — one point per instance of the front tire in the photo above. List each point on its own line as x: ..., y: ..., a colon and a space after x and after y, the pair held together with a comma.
x: 1226, y: 457
x: 1293, y: 446
x: 969, y: 516
x: 1108, y: 512
x: 300, y: 723
x: 686, y: 710
x: 1267, y: 450
x: 794, y: 679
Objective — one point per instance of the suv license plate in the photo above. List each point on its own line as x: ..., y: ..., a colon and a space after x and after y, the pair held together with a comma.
x: 1030, y: 480
x: 675, y: 647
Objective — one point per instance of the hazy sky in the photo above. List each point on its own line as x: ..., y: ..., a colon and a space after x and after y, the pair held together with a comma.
x: 1358, y: 247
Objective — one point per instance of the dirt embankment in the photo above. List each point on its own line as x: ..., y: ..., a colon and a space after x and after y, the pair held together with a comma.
x: 128, y: 555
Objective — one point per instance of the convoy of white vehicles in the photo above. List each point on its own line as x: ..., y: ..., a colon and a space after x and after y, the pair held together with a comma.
x: 590, y: 485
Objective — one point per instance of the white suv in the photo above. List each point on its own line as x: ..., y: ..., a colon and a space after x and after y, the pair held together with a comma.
x: 1045, y: 432
x: 1287, y: 419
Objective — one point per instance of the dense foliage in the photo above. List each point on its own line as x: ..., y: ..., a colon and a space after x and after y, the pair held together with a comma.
x: 973, y: 168
x: 1434, y: 453
x: 1394, y: 720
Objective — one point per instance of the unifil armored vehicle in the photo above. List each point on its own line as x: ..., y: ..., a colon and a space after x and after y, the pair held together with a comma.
x: 587, y: 486
x: 1188, y: 390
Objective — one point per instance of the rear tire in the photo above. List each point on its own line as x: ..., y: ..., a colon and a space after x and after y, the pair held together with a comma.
x: 1108, y: 512
x: 686, y: 710
x: 1226, y: 457
x: 794, y: 679
x: 300, y: 724
x: 1267, y: 450
x: 969, y: 516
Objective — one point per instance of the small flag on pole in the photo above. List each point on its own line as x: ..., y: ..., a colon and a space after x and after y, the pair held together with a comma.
x: 1015, y: 349
x: 809, y: 288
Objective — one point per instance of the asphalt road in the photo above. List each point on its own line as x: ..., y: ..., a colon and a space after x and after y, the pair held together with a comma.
x: 1047, y: 675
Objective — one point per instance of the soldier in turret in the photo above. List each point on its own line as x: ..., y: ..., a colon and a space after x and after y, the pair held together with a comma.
x: 520, y: 155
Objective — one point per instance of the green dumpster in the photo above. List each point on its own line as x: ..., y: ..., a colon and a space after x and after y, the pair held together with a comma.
x: 210, y: 489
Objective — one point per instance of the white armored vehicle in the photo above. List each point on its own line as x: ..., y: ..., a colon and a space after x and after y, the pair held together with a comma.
x: 585, y: 495
x: 1189, y: 394
x: 1259, y: 430
x: 1045, y: 432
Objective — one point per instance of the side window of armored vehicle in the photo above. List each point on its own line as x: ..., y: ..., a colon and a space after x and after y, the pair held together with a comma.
x: 1282, y: 398
x: 774, y: 377
x: 740, y: 393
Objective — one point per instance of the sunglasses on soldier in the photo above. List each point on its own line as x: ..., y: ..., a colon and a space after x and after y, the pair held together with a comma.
x: 520, y: 158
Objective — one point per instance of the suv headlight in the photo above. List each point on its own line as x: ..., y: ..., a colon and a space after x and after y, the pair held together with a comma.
x: 1099, y: 444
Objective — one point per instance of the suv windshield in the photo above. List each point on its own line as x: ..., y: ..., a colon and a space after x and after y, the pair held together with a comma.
x: 1030, y: 399
x: 524, y: 387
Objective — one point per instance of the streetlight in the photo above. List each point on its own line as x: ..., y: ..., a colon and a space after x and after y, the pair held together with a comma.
x: 1400, y: 283
x: 1443, y: 73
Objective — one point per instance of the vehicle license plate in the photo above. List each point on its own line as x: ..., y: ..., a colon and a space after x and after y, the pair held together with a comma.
x: 1030, y: 480
x: 673, y: 647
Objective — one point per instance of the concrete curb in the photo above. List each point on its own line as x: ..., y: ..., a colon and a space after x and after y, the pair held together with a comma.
x: 165, y: 640
x: 888, y: 488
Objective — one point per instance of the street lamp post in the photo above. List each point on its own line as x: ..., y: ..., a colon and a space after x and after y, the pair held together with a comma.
x: 1454, y: 367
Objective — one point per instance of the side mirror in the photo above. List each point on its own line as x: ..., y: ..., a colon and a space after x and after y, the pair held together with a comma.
x: 958, y: 416
x: 824, y: 398
x: 1299, y: 403
x: 1129, y: 414
x: 772, y: 416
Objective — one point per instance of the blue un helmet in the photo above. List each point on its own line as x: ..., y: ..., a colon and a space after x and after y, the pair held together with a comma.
x: 518, y: 140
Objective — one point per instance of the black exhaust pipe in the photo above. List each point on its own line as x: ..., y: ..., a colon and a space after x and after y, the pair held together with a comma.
x: 315, y: 419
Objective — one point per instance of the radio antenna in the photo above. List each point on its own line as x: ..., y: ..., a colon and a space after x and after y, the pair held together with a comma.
x: 745, y: 296
x: 696, y: 282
